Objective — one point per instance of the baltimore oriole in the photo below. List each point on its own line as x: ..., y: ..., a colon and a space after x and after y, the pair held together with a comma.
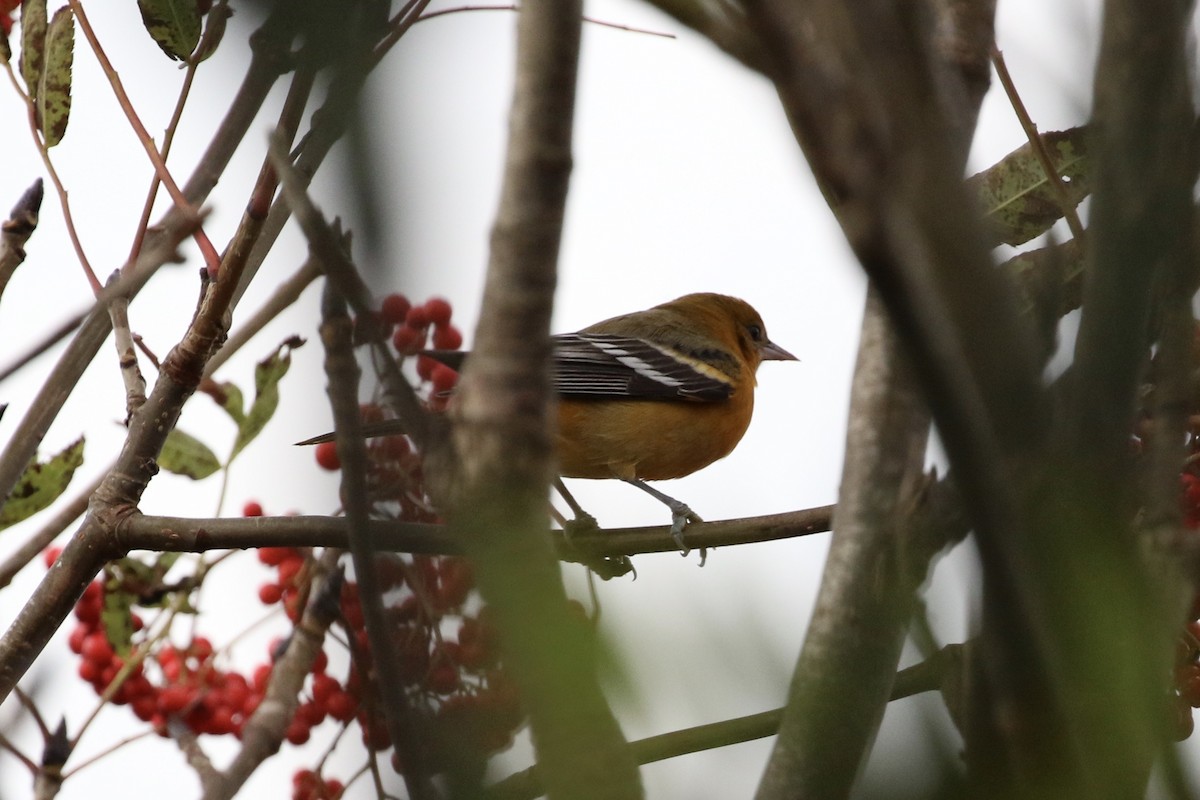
x: 652, y: 395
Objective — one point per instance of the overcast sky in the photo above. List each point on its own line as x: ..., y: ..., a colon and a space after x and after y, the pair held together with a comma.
x: 686, y: 179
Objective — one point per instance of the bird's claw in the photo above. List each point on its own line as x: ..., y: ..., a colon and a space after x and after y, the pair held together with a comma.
x: 583, y: 523
x: 681, y: 514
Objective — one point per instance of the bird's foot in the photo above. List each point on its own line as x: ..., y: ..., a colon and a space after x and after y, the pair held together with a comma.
x: 583, y: 523
x: 607, y: 567
x: 681, y: 515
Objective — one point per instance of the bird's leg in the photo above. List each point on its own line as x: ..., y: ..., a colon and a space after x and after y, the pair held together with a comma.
x: 583, y: 521
x: 680, y: 513
x: 607, y: 567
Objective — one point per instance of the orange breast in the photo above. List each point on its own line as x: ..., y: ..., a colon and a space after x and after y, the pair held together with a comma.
x: 646, y: 439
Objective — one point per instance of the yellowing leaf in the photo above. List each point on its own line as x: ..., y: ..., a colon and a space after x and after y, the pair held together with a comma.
x: 1017, y: 197
x: 54, y: 89
x: 233, y: 402
x: 267, y: 374
x: 173, y: 24
x: 183, y: 454
x: 41, y: 485
x: 33, y: 44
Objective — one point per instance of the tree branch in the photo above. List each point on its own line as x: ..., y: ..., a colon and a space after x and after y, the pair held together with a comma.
x: 502, y: 426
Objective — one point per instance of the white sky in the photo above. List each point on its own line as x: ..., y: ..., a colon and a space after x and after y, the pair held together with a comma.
x: 686, y: 179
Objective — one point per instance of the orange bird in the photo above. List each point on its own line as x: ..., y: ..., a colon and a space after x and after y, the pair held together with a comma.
x: 655, y: 394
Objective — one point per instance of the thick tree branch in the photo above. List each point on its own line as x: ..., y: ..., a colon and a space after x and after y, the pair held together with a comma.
x: 845, y: 671
x: 502, y: 430
x: 844, y: 675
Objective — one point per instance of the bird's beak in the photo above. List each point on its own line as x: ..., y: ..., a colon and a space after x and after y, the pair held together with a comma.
x: 773, y: 352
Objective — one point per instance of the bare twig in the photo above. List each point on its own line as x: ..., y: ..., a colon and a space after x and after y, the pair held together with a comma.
x: 131, y: 373
x: 514, y: 7
x: 211, y: 257
x: 1038, y: 146
x: 184, y: 535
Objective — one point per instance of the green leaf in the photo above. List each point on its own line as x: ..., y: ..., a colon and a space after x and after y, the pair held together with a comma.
x: 184, y: 454
x: 1016, y: 195
x: 117, y: 616
x: 267, y: 375
x: 41, y: 485
x: 173, y: 24
x: 33, y: 45
x: 233, y: 402
x: 54, y: 90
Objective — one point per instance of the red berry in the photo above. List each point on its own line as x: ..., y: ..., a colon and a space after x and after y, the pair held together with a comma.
x: 96, y: 648
x: 75, y: 640
x: 89, y: 670
x: 327, y: 456
x: 447, y: 338
x: 438, y: 310
x: 342, y: 706
x: 201, y: 648
x: 443, y: 379
x: 297, y: 732
x: 407, y: 341
x: 270, y: 593
x: 289, y: 569
x: 274, y: 556
x: 417, y: 317
x: 252, y: 508
x: 144, y: 706
x: 443, y: 679
x: 220, y: 722
x: 50, y: 555
x: 262, y: 676
x: 236, y: 691
x: 323, y: 688
x: 353, y: 614
x: 395, y: 308
x: 425, y: 367
x: 174, y: 699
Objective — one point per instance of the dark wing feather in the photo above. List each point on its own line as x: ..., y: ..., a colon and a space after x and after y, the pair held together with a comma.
x: 601, y: 365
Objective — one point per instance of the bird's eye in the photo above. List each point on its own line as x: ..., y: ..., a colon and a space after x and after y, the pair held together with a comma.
x: 755, y: 331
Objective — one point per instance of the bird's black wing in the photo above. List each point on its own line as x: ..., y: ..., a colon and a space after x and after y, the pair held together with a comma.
x: 603, y: 365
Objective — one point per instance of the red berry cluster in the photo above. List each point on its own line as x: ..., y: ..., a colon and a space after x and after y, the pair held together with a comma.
x: 455, y: 681
x: 190, y: 686
x: 415, y: 328
x: 308, y: 785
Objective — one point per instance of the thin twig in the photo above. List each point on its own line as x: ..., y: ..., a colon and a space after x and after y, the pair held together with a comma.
x: 211, y: 258
x: 1039, y: 147
x: 168, y: 137
x: 926, y: 676
x: 514, y: 7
